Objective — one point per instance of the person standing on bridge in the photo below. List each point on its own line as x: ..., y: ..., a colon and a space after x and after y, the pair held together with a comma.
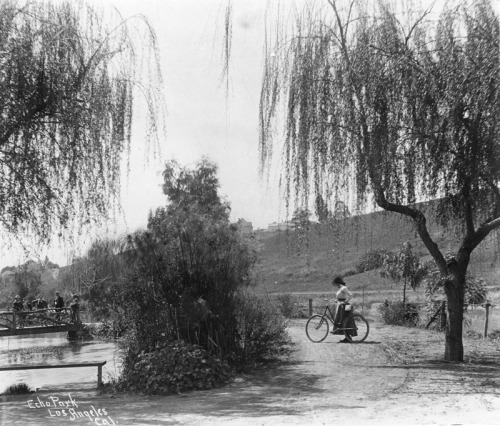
x: 75, y: 310
x: 18, y: 305
x: 29, y: 305
x: 58, y: 304
x: 41, y: 303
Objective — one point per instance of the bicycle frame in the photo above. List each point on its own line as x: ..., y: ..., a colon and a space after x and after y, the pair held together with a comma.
x: 331, y: 315
x: 328, y: 311
x: 317, y: 325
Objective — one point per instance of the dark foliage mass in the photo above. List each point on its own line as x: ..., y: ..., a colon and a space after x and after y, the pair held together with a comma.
x: 370, y: 260
x: 18, y: 389
x: 176, y: 291
x: 67, y: 79
x: 405, y: 266
x: 396, y: 312
x: 176, y: 367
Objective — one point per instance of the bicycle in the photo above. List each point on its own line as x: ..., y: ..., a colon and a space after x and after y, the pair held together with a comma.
x: 318, y: 325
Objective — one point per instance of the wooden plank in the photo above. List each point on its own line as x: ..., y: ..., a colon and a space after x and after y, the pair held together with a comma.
x: 99, y: 375
x: 50, y: 310
x: 39, y: 330
x: 40, y: 367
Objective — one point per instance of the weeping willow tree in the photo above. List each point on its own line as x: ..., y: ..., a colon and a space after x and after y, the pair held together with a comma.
x: 396, y: 108
x: 68, y: 76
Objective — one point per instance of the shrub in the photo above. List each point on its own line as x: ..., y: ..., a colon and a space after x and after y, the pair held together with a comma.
x: 476, y: 291
x: 262, y: 329
x: 473, y: 334
x: 180, y: 289
x: 288, y: 305
x: 18, y: 389
x: 107, y: 330
x: 372, y: 259
x: 398, y: 313
x: 494, y: 335
x: 176, y: 367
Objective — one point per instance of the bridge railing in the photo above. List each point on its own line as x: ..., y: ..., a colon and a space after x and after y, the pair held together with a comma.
x: 38, y: 317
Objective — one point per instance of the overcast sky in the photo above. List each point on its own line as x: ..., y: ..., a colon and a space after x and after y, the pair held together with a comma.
x: 201, y: 119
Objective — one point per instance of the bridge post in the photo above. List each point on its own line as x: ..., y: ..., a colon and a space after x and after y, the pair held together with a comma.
x: 14, y: 319
x: 99, y: 376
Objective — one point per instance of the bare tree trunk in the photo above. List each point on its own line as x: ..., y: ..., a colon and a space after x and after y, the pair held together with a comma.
x: 455, y: 294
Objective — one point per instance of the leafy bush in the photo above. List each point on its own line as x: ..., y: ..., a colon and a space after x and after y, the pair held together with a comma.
x: 473, y: 334
x: 262, y: 329
x: 176, y: 367
x: 494, y: 335
x: 288, y: 305
x: 399, y: 313
x: 182, y: 280
x: 476, y: 291
x: 106, y: 330
x: 372, y: 259
x: 404, y: 266
x: 17, y: 389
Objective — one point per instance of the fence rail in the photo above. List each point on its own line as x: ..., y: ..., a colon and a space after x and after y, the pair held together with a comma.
x: 74, y: 365
x: 39, y: 321
x: 440, y: 315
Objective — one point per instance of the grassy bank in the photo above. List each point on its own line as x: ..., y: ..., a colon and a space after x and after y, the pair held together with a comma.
x: 292, y: 262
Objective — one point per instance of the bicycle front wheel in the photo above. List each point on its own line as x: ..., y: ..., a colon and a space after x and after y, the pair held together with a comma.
x: 317, y: 328
x: 360, y: 326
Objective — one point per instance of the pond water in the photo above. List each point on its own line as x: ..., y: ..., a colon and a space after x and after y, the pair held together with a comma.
x: 54, y: 348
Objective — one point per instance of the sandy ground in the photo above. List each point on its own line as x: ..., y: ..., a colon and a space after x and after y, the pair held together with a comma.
x: 395, y: 377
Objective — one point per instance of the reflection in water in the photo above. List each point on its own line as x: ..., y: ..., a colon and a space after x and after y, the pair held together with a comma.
x: 54, y: 348
x: 26, y: 357
x: 75, y: 347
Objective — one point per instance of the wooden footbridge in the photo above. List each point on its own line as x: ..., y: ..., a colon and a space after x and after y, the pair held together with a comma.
x: 39, y: 321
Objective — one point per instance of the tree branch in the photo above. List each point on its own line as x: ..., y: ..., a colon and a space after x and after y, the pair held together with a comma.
x: 27, y: 118
x: 481, y: 233
x: 496, y: 194
x: 468, y: 214
x: 420, y: 222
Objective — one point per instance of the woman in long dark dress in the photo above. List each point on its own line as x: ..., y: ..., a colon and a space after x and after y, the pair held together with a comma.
x: 343, y: 295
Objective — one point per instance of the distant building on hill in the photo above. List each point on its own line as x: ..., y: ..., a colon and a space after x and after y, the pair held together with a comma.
x: 282, y: 226
x: 244, y: 226
x: 272, y: 227
x: 285, y: 226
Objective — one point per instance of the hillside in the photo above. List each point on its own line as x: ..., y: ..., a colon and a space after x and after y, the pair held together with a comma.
x: 294, y: 262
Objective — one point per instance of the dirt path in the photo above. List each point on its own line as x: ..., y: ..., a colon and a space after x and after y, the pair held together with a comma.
x: 326, y: 383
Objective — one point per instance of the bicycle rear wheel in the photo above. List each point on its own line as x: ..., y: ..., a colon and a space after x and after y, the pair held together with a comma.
x: 360, y: 325
x: 317, y: 328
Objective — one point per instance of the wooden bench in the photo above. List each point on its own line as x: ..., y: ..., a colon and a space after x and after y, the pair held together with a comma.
x: 42, y: 366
